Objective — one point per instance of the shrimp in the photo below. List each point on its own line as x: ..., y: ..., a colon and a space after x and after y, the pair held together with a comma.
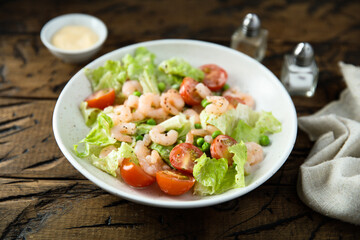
x: 242, y: 97
x: 203, y: 90
x: 218, y: 105
x: 190, y: 113
x: 121, y: 114
x: 255, y: 153
x: 211, y: 128
x: 172, y: 102
x: 150, y: 162
x: 130, y: 87
x: 157, y: 135
x: 120, y: 131
x: 106, y: 150
x: 149, y: 106
x: 133, y: 103
x: 195, y: 132
x: 153, y: 163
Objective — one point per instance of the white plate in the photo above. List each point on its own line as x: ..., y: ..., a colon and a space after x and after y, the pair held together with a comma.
x: 243, y: 71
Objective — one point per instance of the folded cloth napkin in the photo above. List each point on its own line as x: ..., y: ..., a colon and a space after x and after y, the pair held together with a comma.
x: 329, y: 179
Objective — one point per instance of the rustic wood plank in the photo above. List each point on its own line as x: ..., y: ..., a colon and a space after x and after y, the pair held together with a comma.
x: 28, y: 147
x: 47, y: 209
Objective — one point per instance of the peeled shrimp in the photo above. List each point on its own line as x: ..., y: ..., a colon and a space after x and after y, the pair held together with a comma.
x: 150, y: 162
x: 203, y: 90
x: 157, y: 135
x: 130, y: 87
x: 218, y: 105
x: 120, y: 114
x: 172, y: 102
x: 133, y: 103
x: 243, y: 97
x: 208, y: 139
x: 153, y: 163
x: 195, y: 132
x: 120, y: 132
x: 211, y: 128
x: 149, y: 106
x: 255, y: 153
x: 190, y: 113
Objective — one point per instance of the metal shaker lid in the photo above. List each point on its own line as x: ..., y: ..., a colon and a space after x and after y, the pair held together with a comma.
x: 251, y: 25
x: 304, y: 54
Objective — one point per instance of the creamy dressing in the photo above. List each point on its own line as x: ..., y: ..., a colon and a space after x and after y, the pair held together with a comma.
x: 74, y: 37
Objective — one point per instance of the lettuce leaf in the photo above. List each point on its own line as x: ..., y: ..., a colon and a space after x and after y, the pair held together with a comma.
x: 89, y: 114
x: 243, y: 123
x: 111, y: 75
x: 99, y: 135
x: 214, y: 176
x: 110, y: 163
x: 179, y: 67
x: 178, y: 123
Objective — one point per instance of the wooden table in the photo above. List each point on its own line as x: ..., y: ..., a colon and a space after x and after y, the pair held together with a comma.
x: 43, y: 197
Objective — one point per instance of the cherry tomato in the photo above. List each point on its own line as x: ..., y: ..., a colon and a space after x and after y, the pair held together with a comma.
x: 234, y: 101
x: 188, y: 92
x: 134, y: 175
x: 182, y: 156
x: 173, y: 182
x: 101, y: 99
x: 219, y: 147
x: 215, y: 76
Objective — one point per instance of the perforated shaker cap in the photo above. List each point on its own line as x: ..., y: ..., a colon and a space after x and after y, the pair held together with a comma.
x: 251, y: 25
x: 304, y: 54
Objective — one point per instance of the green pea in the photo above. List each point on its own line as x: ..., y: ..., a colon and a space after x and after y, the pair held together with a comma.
x: 161, y: 86
x: 264, y: 140
x: 215, y: 134
x: 176, y: 86
x: 226, y: 87
x: 205, y: 147
x: 139, y: 137
x: 137, y: 93
x: 197, y: 125
x: 204, y: 103
x: 200, y: 141
x: 151, y: 121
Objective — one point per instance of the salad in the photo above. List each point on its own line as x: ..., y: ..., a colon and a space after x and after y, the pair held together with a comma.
x: 180, y: 126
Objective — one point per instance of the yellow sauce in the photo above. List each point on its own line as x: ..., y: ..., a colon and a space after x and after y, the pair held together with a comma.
x: 74, y: 38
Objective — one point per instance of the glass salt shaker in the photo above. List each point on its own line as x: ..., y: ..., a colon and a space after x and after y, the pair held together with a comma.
x: 299, y: 72
x: 250, y: 38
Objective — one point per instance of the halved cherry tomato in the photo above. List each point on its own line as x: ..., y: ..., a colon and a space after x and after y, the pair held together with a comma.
x: 134, y: 175
x: 101, y: 99
x: 219, y: 147
x: 182, y: 156
x: 215, y: 76
x: 173, y: 182
x: 188, y: 91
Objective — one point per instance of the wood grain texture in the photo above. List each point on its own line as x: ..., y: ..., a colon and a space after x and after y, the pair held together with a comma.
x: 43, y: 197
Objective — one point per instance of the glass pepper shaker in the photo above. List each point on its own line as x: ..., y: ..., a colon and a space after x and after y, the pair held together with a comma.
x: 299, y: 72
x: 250, y: 38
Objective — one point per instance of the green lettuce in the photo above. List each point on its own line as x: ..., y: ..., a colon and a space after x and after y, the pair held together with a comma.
x: 214, y: 176
x: 243, y: 123
x: 110, y: 163
x: 89, y: 114
x: 178, y: 123
x: 180, y: 67
x: 111, y: 75
x: 99, y: 135
x: 148, y: 81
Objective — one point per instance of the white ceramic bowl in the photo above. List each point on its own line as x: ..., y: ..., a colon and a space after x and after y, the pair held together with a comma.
x: 243, y: 71
x: 51, y: 27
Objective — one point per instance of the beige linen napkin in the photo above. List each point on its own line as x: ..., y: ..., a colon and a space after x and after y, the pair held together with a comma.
x: 329, y: 179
